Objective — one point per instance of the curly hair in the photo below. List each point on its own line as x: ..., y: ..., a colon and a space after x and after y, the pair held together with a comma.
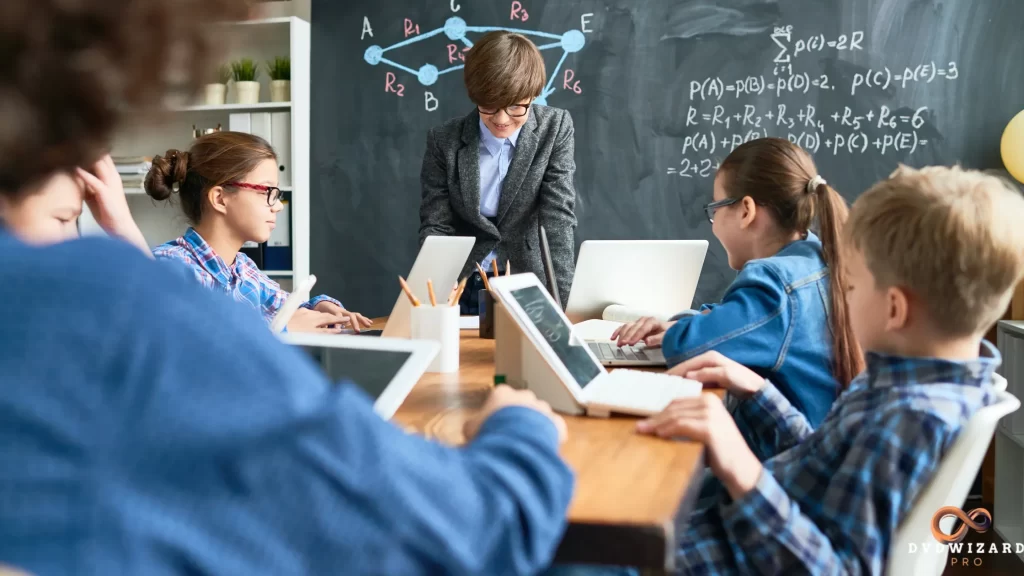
x: 74, y: 70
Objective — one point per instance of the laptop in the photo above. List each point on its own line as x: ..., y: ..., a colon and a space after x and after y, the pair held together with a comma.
x: 386, y: 369
x: 646, y: 277
x: 440, y: 260
x: 291, y: 304
x: 577, y: 369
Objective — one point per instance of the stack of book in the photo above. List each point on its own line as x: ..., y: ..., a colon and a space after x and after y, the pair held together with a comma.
x: 133, y: 170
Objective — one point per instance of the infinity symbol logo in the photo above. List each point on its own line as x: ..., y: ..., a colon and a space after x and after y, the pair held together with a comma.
x: 978, y: 520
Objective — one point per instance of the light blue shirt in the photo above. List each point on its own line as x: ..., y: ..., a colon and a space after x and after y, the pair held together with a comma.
x: 495, y: 158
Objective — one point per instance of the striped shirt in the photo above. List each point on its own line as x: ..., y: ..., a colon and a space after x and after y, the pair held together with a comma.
x: 243, y: 280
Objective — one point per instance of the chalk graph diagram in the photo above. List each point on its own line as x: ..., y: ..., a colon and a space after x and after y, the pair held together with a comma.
x: 455, y: 29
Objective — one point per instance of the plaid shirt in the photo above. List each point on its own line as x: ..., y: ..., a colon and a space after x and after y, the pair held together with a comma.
x: 243, y: 281
x: 829, y: 500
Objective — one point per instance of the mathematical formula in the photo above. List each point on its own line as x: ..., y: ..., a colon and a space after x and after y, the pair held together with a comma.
x: 721, y: 117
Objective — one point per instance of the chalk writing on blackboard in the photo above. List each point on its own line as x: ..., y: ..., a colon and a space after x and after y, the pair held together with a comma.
x: 457, y: 31
x: 721, y: 117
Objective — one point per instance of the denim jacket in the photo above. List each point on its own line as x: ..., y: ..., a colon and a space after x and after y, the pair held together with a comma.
x: 774, y: 320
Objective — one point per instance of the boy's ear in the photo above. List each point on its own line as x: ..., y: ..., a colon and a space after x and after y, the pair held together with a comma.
x: 748, y: 211
x: 897, y: 305
x: 216, y: 196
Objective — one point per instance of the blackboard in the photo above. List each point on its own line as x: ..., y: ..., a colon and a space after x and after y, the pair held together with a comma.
x: 660, y: 91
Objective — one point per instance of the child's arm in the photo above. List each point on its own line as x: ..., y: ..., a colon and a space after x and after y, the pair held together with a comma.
x: 747, y: 325
x: 775, y: 423
x: 862, y: 501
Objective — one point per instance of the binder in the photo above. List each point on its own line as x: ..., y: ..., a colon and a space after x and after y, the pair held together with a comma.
x: 255, y: 252
x: 281, y: 130
x: 239, y: 122
x: 260, y: 125
x: 278, y: 253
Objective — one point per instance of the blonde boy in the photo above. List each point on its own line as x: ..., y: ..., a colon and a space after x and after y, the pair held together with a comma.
x: 934, y: 256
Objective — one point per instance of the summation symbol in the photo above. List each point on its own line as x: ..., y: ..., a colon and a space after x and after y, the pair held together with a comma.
x: 456, y: 30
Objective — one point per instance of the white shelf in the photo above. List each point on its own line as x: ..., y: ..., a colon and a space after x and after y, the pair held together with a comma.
x: 258, y: 21
x: 234, y: 107
x: 277, y: 35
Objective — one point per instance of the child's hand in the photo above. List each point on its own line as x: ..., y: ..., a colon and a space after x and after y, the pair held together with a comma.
x: 104, y: 194
x: 650, y: 330
x: 714, y: 368
x: 353, y: 320
x: 704, y: 419
x: 306, y: 320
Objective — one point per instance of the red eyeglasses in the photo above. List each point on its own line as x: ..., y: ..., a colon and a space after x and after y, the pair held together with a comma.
x: 273, y: 192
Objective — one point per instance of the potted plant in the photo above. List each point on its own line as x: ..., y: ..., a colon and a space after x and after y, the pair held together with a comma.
x: 247, y: 89
x: 216, y: 92
x: 280, y: 71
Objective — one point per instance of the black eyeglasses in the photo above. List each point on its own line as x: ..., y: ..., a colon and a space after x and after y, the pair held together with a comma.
x: 514, y: 111
x: 273, y: 192
x: 710, y: 209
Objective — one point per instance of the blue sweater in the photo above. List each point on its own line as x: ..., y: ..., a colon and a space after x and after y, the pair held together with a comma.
x: 774, y: 320
x: 150, y: 426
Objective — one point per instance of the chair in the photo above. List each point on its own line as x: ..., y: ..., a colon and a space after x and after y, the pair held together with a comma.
x: 949, y: 487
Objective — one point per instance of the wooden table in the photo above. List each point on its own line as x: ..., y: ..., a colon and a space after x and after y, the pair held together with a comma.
x: 631, y: 489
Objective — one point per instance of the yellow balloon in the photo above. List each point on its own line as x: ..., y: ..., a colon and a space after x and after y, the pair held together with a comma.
x: 1011, y: 147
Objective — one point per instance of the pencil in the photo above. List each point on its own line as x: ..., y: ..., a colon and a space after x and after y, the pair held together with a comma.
x: 430, y: 291
x: 494, y: 267
x: 483, y: 276
x: 405, y: 288
x: 458, y: 291
x: 508, y: 267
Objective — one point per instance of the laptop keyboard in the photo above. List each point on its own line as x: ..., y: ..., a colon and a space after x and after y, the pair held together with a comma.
x: 609, y: 351
x: 636, y: 392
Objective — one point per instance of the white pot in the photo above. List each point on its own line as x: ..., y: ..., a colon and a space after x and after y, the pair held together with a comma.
x: 214, y: 94
x: 280, y: 91
x: 247, y: 92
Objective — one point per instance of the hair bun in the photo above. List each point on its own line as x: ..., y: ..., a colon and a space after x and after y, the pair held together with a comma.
x: 166, y: 172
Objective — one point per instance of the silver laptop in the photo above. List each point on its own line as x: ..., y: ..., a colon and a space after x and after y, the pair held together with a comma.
x: 386, y: 369
x: 652, y: 275
x: 440, y: 260
x: 575, y: 369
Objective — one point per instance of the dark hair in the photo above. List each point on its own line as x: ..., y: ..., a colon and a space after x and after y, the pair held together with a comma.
x: 213, y: 160
x: 777, y: 174
x: 503, y: 69
x: 74, y: 70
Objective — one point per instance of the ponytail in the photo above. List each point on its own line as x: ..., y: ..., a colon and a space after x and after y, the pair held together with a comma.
x: 848, y: 360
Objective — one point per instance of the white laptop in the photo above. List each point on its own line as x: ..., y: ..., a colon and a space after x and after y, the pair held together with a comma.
x: 574, y: 365
x: 291, y: 304
x: 621, y: 280
x: 386, y: 369
x: 440, y: 260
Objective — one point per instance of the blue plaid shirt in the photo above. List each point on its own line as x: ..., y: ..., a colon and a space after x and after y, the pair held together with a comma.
x: 830, y: 500
x: 243, y: 281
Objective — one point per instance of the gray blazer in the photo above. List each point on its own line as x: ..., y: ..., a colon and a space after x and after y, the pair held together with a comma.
x: 537, y: 190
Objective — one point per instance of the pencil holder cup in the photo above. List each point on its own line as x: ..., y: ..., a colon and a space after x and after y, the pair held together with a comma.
x: 440, y: 324
x: 486, y: 306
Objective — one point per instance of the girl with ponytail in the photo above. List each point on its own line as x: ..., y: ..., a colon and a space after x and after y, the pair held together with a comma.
x: 784, y: 316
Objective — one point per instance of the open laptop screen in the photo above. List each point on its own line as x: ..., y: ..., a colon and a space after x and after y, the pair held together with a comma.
x: 371, y: 370
x: 556, y: 331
